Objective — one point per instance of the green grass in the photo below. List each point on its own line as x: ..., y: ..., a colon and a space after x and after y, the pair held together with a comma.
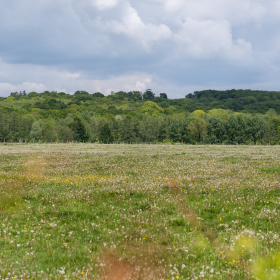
x: 89, y: 211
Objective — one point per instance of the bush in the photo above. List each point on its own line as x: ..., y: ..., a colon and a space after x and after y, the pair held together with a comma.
x: 168, y: 141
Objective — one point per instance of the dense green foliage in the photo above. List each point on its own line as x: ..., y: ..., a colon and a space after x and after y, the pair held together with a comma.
x: 237, y: 100
x: 105, y: 135
x: 229, y: 117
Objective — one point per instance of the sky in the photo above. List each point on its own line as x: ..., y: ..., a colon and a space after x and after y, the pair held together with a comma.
x: 171, y: 46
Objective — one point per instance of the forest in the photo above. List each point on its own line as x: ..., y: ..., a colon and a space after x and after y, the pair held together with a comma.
x: 209, y: 116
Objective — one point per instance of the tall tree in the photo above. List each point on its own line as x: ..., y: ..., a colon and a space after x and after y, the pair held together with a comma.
x: 215, y: 130
x: 49, y: 132
x: 185, y: 133
x: 275, y: 124
x: 163, y: 95
x: 80, y: 132
x: 4, y: 129
x: 148, y: 94
x: 105, y: 135
x: 232, y: 128
x: 174, y: 131
x: 197, y: 128
x: 36, y: 131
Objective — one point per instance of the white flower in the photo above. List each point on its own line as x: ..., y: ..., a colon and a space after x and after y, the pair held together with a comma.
x: 62, y: 271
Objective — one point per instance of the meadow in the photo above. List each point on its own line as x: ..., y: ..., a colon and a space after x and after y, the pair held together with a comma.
x: 93, y: 211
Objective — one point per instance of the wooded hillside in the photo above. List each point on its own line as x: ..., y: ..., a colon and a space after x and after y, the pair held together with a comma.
x: 210, y: 116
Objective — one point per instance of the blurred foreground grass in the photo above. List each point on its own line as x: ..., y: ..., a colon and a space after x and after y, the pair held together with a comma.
x: 89, y: 211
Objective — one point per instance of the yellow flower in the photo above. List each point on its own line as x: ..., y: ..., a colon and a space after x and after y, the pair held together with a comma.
x: 177, y: 277
x: 82, y: 273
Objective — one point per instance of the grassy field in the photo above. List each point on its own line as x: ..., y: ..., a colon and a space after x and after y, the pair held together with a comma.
x: 90, y: 211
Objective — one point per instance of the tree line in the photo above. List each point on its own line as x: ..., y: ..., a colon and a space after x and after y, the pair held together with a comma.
x: 217, y: 126
x: 58, y: 104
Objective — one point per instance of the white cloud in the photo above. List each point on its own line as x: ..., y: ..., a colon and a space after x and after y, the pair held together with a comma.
x: 104, y: 4
x: 6, y: 88
x: 236, y: 11
x: 129, y: 82
x: 208, y: 38
x: 50, y: 78
x: 73, y: 76
x: 132, y: 26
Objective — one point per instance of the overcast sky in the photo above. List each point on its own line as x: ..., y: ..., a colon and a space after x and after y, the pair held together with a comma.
x: 172, y: 46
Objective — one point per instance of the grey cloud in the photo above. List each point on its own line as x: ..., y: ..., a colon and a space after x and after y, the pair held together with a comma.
x: 178, y: 45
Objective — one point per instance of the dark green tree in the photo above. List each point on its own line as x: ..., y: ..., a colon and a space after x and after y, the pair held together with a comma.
x: 135, y: 95
x: 126, y: 130
x: 174, y: 131
x: 80, y: 132
x: 148, y: 94
x: 185, y: 133
x: 105, y: 135
x: 98, y: 94
x: 162, y: 132
x: 232, y: 128
x: 275, y: 124
x: 215, y: 130
x: 255, y: 129
x: 4, y: 128
x: 241, y: 135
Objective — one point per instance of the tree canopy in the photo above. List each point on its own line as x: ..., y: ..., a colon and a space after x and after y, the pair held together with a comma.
x: 210, y: 116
